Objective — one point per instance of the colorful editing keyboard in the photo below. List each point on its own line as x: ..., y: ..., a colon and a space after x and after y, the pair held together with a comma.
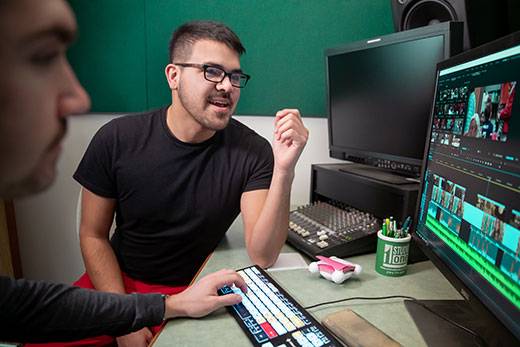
x: 270, y: 317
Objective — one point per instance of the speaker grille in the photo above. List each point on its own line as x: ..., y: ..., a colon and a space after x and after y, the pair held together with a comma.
x: 428, y: 12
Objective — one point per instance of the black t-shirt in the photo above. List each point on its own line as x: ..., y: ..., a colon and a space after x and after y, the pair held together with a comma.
x: 175, y: 200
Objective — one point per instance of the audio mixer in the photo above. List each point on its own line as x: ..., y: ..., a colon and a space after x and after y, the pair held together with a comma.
x: 324, y: 229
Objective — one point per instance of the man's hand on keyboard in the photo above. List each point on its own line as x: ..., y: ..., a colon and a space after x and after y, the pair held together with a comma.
x: 202, y: 298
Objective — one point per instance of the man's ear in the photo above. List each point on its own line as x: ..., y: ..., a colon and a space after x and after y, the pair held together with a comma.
x: 172, y: 76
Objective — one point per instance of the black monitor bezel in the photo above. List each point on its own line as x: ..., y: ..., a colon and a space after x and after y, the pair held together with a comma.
x: 467, y: 293
x: 452, y: 33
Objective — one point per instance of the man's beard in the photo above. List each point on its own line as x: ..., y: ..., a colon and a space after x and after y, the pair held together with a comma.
x: 204, y: 118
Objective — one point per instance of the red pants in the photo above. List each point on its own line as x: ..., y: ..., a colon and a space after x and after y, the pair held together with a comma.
x: 131, y: 286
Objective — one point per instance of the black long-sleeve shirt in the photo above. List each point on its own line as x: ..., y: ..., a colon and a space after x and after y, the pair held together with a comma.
x: 38, y: 311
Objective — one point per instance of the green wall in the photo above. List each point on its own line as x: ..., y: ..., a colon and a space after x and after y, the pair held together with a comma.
x: 123, y: 47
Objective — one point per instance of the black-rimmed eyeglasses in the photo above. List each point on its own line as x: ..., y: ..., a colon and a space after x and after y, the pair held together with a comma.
x: 216, y: 75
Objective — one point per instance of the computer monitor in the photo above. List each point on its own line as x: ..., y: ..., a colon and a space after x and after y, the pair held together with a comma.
x: 468, y: 213
x: 379, y: 95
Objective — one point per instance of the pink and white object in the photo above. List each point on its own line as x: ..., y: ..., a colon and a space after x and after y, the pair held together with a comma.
x: 334, y: 269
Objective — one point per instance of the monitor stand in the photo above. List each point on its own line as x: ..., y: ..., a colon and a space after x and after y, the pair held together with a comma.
x: 438, y: 332
x: 377, y: 174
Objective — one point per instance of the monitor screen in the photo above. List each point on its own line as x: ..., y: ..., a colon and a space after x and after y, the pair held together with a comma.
x: 380, y: 93
x: 468, y: 218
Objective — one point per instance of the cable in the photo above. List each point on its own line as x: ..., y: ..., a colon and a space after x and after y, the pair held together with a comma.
x: 362, y: 298
x: 412, y: 299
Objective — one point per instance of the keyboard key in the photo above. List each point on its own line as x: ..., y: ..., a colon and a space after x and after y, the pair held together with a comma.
x: 261, y: 337
x: 302, y: 340
x: 280, y: 330
x: 269, y: 330
x: 241, y: 310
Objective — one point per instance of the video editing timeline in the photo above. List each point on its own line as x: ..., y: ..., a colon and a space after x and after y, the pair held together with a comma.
x: 270, y: 317
x: 472, y: 180
x: 323, y: 229
x: 489, y: 236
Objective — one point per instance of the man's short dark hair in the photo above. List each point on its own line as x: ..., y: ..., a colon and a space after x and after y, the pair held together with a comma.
x: 187, y: 34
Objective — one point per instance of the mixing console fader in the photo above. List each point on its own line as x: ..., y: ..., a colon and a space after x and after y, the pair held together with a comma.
x: 323, y: 229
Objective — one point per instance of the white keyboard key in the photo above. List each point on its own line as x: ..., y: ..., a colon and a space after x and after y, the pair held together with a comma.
x: 316, y: 342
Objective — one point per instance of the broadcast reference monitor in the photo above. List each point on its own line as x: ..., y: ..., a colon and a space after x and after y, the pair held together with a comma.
x: 379, y: 95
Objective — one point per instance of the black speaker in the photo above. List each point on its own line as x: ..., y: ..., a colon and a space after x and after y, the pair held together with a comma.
x: 484, y: 20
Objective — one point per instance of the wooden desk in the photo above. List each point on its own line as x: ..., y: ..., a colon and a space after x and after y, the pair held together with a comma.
x: 423, y: 281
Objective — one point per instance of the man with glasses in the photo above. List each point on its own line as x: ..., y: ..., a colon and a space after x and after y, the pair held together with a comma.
x: 176, y: 178
x: 38, y: 91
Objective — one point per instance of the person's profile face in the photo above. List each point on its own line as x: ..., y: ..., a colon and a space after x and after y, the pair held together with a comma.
x: 38, y: 89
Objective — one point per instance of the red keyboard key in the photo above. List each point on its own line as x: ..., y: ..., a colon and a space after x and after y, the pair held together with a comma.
x: 269, y: 330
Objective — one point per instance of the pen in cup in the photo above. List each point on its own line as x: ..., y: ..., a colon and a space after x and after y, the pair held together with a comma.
x: 390, y: 229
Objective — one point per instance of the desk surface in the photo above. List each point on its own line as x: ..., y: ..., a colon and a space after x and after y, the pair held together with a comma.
x: 422, y: 281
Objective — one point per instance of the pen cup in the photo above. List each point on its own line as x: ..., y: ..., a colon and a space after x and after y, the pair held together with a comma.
x: 392, y: 254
